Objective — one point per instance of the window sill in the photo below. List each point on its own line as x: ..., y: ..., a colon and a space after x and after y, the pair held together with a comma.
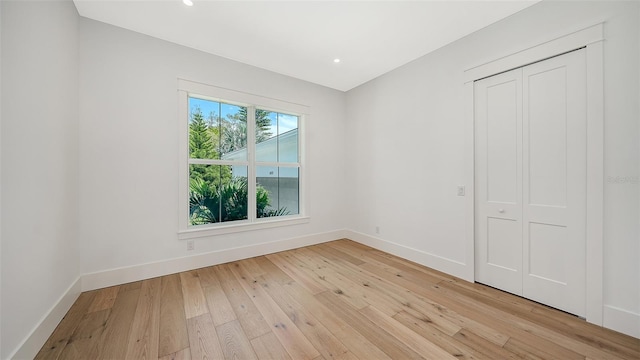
x: 244, y: 226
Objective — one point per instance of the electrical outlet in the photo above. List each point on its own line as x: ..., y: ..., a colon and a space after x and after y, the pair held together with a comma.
x: 460, y: 190
x: 190, y: 245
x: 377, y: 229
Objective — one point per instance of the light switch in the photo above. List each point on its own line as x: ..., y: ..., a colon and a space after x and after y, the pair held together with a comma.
x: 460, y: 190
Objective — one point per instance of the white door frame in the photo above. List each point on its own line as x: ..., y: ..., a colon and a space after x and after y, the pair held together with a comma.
x: 591, y: 38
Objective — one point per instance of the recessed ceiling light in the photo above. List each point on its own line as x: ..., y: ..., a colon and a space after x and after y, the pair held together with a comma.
x: 188, y: 2
x: 336, y: 60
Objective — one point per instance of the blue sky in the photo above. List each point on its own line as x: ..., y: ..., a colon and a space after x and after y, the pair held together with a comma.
x: 208, y: 107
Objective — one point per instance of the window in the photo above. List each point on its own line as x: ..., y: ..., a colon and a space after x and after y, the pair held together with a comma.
x: 241, y: 164
x: 277, y: 165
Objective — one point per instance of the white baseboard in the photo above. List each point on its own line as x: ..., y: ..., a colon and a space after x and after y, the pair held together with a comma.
x: 128, y: 274
x: 41, y: 332
x: 621, y: 320
x: 436, y: 262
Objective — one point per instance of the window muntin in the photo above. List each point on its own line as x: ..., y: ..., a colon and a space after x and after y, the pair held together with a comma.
x: 225, y: 181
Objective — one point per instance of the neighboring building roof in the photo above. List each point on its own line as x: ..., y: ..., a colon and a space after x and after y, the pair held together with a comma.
x: 280, y: 148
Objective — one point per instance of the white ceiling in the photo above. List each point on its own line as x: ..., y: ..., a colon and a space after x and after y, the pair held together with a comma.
x: 302, y: 38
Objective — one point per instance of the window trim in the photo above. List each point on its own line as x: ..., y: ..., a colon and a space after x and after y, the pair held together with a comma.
x: 214, y: 93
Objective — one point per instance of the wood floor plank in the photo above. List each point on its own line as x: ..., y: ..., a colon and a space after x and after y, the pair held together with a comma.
x: 267, y: 347
x: 248, y: 315
x: 207, y: 277
x: 505, y: 300
x: 85, y: 338
x: 489, y: 349
x: 203, y: 338
x: 370, y: 256
x: 423, y: 307
x: 520, y: 337
x: 320, y: 337
x: 379, y: 255
x: 507, y: 320
x: 220, y: 308
x: 349, y: 291
x: 608, y: 340
x: 114, y: 339
x: 526, y: 351
x: 184, y: 354
x: 386, y: 286
x: 291, y: 338
x: 385, y: 341
x: 476, y: 298
x: 356, y: 285
x: 63, y: 332
x: 195, y: 303
x: 173, y: 323
x: 448, y: 311
x: 333, y: 253
x: 145, y: 327
x: 234, y: 342
x: 405, y: 335
x: 557, y: 318
x: 252, y: 267
x: 104, y: 299
x: 568, y: 343
x: 437, y: 337
x: 272, y: 271
x: 352, y: 339
x: 131, y: 286
x: 347, y: 356
x: 387, y: 296
x: 311, y: 284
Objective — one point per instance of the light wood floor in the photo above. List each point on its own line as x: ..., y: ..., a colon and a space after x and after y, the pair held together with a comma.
x: 339, y: 300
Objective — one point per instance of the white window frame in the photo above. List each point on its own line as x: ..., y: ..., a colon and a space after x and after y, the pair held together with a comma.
x: 188, y: 88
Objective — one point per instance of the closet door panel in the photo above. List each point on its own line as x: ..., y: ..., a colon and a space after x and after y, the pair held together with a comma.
x: 498, y: 176
x: 502, y: 142
x: 547, y: 136
x: 544, y: 264
x: 554, y: 182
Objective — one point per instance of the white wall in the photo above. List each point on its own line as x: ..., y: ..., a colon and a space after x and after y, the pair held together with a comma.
x: 39, y: 164
x: 407, y: 146
x: 129, y: 147
x: 0, y: 178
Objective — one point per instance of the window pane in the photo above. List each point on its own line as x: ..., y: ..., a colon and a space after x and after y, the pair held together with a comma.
x: 233, y: 132
x: 204, y: 129
x: 277, y: 191
x: 276, y: 137
x: 217, y: 193
x: 266, y: 136
x: 217, y: 130
x: 287, y: 138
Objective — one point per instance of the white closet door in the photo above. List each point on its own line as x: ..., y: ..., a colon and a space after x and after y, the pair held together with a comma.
x: 498, y: 109
x: 554, y: 182
x: 531, y: 181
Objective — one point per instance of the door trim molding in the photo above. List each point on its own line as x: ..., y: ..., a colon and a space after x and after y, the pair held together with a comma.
x: 591, y: 38
x: 582, y: 38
